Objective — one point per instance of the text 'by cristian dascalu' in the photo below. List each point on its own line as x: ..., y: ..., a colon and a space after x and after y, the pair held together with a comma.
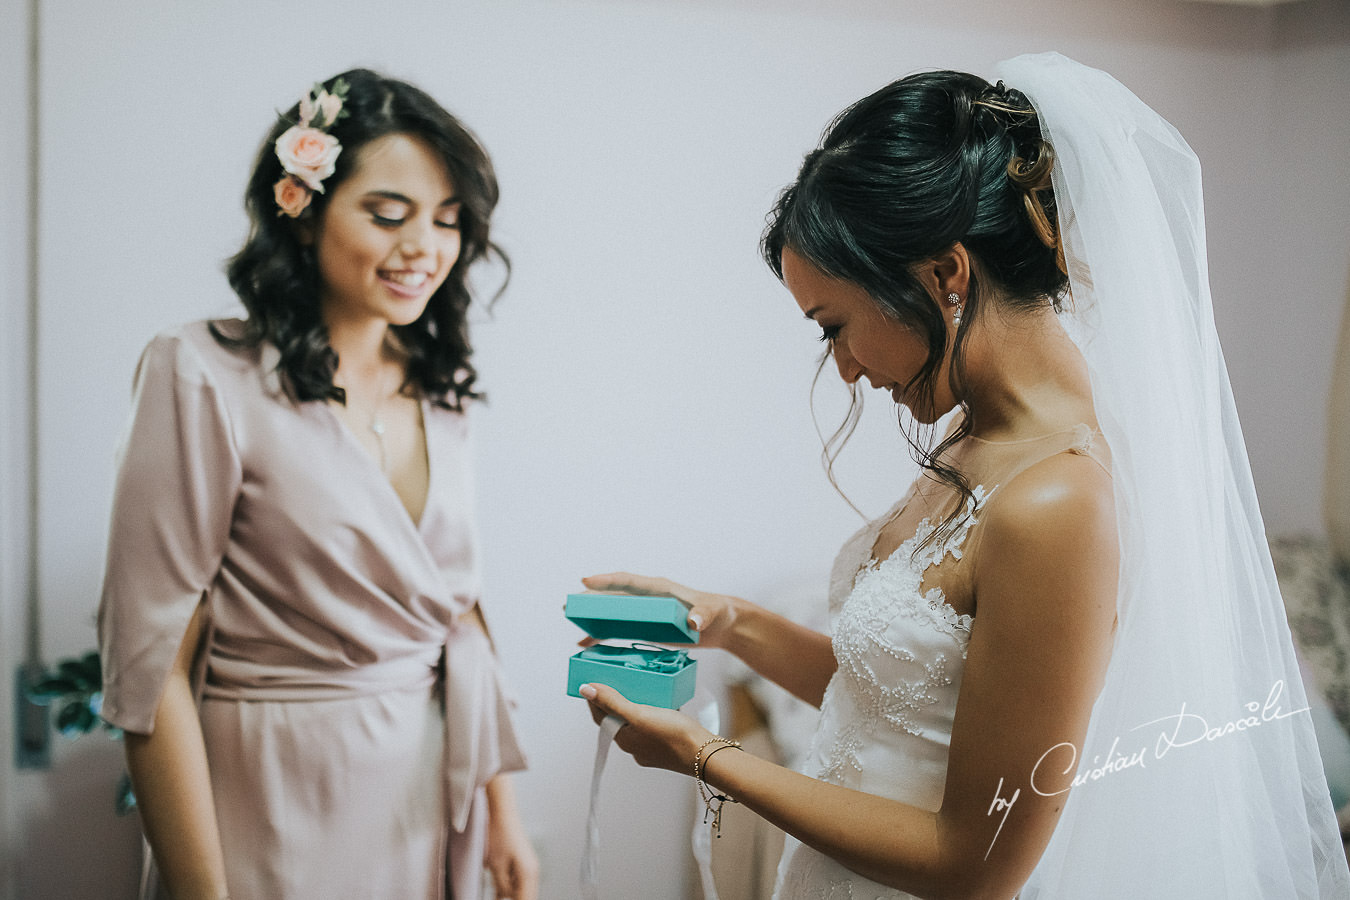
x: 1179, y: 730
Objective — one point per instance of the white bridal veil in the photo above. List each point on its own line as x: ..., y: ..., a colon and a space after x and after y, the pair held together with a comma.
x: 1200, y: 776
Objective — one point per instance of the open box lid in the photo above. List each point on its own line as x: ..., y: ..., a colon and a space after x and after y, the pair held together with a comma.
x: 662, y: 620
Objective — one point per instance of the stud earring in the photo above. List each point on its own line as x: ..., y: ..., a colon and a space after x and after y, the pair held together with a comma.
x: 955, y: 300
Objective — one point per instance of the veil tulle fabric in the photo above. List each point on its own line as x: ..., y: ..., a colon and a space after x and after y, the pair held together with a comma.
x: 1200, y: 775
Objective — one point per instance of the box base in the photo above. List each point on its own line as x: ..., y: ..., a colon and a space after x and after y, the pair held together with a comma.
x: 666, y: 689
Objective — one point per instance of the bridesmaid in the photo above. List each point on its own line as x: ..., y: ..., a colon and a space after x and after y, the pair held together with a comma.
x: 290, y: 624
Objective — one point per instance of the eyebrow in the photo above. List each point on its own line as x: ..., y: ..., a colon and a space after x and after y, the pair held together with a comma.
x: 452, y: 200
x: 811, y: 313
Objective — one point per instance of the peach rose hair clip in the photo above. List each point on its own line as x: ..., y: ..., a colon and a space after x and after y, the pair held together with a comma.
x: 307, y: 151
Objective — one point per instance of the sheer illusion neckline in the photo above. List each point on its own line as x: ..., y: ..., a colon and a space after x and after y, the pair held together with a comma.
x: 903, y: 570
x: 909, y: 556
x: 1082, y: 427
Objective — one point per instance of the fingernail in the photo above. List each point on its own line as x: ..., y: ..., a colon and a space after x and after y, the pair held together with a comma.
x: 697, y: 621
x: 588, y: 691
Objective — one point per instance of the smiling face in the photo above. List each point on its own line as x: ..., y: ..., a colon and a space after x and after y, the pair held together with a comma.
x: 864, y: 341
x: 389, y: 234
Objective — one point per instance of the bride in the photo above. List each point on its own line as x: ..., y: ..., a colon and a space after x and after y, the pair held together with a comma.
x: 1059, y: 666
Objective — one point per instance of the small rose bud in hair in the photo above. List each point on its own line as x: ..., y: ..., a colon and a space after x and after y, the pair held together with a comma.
x: 292, y: 196
x: 329, y: 107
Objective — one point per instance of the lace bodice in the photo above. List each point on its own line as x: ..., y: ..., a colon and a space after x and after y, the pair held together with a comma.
x: 885, y: 721
x: 900, y: 652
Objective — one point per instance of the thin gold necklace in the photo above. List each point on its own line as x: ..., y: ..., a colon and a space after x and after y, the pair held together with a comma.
x: 377, y: 424
x: 377, y: 428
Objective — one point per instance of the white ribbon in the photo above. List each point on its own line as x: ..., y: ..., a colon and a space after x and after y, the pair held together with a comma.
x: 709, y: 718
x: 701, y: 838
x: 590, y: 876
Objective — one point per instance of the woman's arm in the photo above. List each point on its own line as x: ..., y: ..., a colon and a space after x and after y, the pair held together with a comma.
x: 510, y: 856
x: 173, y: 785
x: 1046, y: 587
x: 797, y: 658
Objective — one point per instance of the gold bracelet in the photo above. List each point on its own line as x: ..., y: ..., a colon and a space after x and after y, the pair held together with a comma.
x: 698, y: 757
x: 708, y: 758
x: 712, y: 801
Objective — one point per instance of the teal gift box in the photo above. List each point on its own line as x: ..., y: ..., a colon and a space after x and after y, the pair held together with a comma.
x: 651, y: 675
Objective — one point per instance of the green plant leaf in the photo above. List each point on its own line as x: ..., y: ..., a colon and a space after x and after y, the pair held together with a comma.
x: 93, y: 668
x: 49, y: 689
x: 74, y: 671
x: 76, y: 718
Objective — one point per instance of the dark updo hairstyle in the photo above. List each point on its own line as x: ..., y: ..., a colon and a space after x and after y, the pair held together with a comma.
x: 277, y: 276
x: 900, y: 176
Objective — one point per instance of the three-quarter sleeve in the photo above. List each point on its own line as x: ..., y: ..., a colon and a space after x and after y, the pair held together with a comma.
x: 178, y: 477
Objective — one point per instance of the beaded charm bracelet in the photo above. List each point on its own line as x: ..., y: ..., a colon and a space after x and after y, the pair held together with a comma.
x: 712, y: 801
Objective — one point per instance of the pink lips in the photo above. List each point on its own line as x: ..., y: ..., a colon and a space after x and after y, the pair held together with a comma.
x: 406, y: 291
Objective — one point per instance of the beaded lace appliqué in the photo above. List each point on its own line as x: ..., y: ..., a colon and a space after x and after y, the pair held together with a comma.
x: 884, y: 591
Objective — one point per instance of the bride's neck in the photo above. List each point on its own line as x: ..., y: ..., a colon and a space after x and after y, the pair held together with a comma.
x: 1024, y: 377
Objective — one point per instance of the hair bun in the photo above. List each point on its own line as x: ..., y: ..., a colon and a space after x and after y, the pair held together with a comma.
x: 1031, y: 176
x: 1008, y: 105
x: 1032, y: 159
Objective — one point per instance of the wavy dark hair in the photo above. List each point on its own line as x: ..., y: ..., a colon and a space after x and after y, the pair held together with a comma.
x: 277, y: 276
x: 929, y: 161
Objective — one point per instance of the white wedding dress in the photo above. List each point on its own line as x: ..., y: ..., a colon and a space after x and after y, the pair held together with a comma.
x: 886, y: 718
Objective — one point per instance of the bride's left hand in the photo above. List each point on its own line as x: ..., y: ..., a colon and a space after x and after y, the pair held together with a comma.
x: 655, y: 737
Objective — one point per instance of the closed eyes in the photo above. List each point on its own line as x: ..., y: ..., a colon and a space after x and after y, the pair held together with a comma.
x: 389, y: 209
x: 450, y: 222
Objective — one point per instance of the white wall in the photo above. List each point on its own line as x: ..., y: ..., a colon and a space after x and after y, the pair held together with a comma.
x: 648, y: 377
x: 1283, y: 386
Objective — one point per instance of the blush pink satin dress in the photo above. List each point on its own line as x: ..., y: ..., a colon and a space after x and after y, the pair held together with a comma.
x: 350, y: 720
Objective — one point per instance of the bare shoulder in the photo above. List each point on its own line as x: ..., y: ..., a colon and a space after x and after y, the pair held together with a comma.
x: 1050, y: 542
x: 1067, y: 496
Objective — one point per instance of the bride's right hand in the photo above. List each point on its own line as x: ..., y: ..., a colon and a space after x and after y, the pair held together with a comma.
x: 711, y: 615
